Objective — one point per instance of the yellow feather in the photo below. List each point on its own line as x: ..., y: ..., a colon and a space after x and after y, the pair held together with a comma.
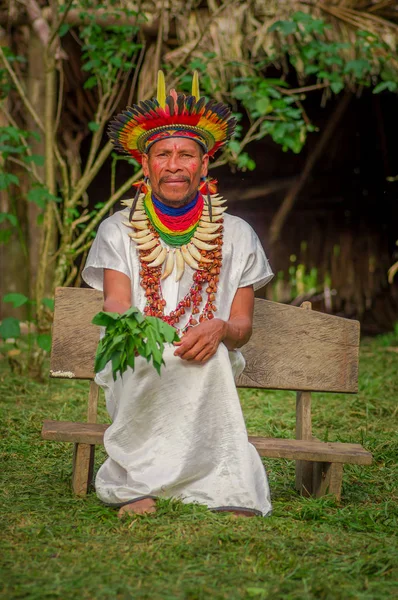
x: 161, y: 89
x: 195, y: 85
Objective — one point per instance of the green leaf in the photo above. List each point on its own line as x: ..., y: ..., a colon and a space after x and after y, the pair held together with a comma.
x: 234, y: 146
x: 44, y: 341
x: 105, y: 318
x: 16, y: 299
x: 337, y: 86
x: 10, y: 328
x: 5, y: 235
x: 41, y: 196
x: 358, y: 67
x: 49, y: 303
x: 63, y: 30
x: 285, y: 27
x: 385, y: 85
x: 262, y: 105
x: 9, y: 217
x: 37, y: 159
x: 7, y: 179
x: 93, y: 126
x: 90, y: 83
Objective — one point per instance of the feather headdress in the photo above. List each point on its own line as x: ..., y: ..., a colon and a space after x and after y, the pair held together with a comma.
x: 135, y: 129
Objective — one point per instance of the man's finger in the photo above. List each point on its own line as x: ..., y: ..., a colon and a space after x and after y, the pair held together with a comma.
x: 192, y: 353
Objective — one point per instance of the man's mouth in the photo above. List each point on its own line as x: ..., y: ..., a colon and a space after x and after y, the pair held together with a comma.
x: 177, y: 180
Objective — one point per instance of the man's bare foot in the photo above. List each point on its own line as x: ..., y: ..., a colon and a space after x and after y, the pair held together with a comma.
x: 140, y: 507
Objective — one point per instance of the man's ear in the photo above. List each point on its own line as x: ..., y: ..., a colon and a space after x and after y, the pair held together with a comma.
x: 145, y: 165
x: 205, y: 165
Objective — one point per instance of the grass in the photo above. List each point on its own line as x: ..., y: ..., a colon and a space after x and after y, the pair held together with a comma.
x: 54, y: 545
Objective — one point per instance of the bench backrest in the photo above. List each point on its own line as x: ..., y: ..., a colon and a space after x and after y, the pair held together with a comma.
x: 291, y: 348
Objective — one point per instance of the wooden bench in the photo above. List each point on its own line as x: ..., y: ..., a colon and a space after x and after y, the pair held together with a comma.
x: 291, y: 349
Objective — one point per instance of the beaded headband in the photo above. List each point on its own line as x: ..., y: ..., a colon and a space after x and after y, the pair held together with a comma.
x: 137, y: 128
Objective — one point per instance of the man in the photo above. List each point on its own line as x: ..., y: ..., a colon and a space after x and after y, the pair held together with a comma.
x: 177, y: 256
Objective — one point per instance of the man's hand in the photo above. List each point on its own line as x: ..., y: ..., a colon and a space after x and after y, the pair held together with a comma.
x: 201, y: 342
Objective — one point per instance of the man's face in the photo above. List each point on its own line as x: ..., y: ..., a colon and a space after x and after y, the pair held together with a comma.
x: 174, y: 167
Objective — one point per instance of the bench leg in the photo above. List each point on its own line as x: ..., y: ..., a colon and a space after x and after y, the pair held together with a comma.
x: 327, y: 479
x: 83, y: 463
x: 304, y: 477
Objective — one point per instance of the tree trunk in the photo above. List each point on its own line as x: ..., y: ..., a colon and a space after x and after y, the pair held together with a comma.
x: 13, y: 261
x: 36, y: 94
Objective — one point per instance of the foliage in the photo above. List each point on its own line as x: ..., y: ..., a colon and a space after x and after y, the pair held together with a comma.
x: 327, y: 60
x: 129, y: 335
x: 10, y: 330
x: 54, y: 545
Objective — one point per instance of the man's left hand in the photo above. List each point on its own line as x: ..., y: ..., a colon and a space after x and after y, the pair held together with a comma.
x: 201, y: 342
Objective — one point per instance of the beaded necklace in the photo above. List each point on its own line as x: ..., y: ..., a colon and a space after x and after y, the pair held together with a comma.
x: 203, y: 257
x: 175, y: 226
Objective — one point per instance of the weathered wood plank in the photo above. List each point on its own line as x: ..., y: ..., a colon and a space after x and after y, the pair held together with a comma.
x: 93, y: 433
x: 313, y: 451
x: 304, y: 470
x: 300, y: 350
x: 92, y: 407
x: 74, y: 338
x: 69, y: 431
x: 290, y: 348
x: 83, y: 462
x: 328, y: 479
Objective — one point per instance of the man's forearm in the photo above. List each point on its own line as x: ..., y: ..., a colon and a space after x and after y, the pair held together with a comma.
x: 236, y: 332
x: 111, y: 305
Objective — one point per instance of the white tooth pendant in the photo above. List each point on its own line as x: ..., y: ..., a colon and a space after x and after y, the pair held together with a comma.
x: 179, y: 264
x: 196, y: 254
x: 216, y: 210
x: 148, y: 245
x: 202, y: 245
x: 160, y: 259
x: 169, y: 264
x: 191, y: 262
x: 138, y: 215
x: 152, y: 255
x: 141, y: 234
x: 205, y: 237
x: 209, y: 228
x: 141, y: 239
x: 206, y: 219
x: 141, y: 225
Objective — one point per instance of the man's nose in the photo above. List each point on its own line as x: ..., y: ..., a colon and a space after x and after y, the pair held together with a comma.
x: 173, y: 164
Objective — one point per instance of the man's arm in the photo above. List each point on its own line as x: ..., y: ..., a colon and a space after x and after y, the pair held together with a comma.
x: 200, y: 343
x: 117, y: 291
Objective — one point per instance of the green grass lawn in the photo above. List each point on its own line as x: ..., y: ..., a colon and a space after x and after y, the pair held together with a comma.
x: 54, y: 545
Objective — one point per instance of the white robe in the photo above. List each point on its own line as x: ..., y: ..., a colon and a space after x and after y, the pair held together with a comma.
x: 180, y: 435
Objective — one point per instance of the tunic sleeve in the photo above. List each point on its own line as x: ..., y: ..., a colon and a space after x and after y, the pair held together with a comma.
x: 107, y: 252
x: 256, y: 271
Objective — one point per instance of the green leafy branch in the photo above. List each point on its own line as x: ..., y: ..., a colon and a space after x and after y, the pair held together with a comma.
x: 130, y: 335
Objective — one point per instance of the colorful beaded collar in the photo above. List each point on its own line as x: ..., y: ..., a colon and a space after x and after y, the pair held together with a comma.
x: 189, y: 232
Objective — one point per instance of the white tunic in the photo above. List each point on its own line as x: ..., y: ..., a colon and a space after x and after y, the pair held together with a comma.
x: 180, y: 435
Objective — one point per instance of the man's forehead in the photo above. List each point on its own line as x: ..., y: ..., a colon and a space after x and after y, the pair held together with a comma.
x: 175, y: 145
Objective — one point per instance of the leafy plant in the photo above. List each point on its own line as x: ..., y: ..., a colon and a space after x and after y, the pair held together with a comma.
x: 130, y: 335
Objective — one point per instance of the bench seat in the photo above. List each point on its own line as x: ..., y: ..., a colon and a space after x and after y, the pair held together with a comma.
x: 291, y: 349
x: 334, y: 452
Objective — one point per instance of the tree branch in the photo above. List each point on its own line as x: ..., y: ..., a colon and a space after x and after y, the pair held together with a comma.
x: 21, y: 91
x: 101, y: 213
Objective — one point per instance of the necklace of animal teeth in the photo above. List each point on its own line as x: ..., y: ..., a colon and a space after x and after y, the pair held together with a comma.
x: 205, y: 259
x: 195, y: 242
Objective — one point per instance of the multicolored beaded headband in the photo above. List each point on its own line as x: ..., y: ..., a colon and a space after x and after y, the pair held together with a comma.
x: 137, y: 128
